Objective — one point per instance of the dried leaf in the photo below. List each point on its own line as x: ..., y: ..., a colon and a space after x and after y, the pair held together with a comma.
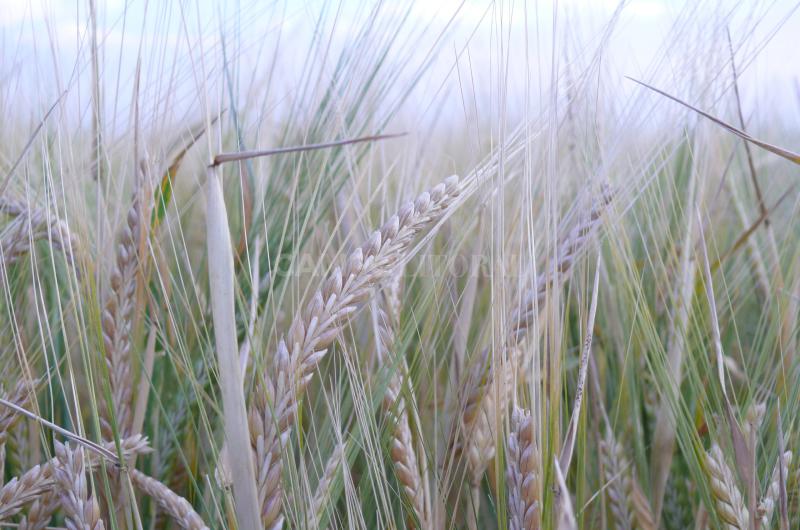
x: 221, y: 280
x: 788, y: 155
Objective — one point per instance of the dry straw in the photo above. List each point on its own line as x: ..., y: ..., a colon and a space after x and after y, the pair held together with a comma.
x: 272, y: 415
x: 221, y: 283
x: 568, y: 445
x: 565, y: 511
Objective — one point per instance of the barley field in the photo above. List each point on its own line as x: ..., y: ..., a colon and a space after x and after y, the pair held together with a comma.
x: 367, y: 264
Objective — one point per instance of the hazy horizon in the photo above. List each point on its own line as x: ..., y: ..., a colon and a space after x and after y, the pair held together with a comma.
x: 478, y: 47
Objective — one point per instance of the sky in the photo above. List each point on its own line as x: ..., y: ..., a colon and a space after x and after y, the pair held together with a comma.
x: 46, y: 46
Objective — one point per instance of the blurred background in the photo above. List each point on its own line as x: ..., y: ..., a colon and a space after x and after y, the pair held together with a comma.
x: 464, y: 62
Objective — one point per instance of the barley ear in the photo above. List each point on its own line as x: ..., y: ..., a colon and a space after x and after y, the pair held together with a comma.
x: 81, y: 509
x: 524, y: 473
x: 21, y: 395
x: 176, y: 506
x: 22, y: 490
x: 766, y: 507
x: 323, y: 491
x: 488, y: 387
x: 727, y: 497
x: 630, y: 507
x: 313, y: 330
x: 41, y: 479
x: 618, y: 482
x: 642, y: 510
x: 40, y: 512
x: 117, y: 320
x: 568, y: 248
x: 29, y: 225
x: 401, y: 445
